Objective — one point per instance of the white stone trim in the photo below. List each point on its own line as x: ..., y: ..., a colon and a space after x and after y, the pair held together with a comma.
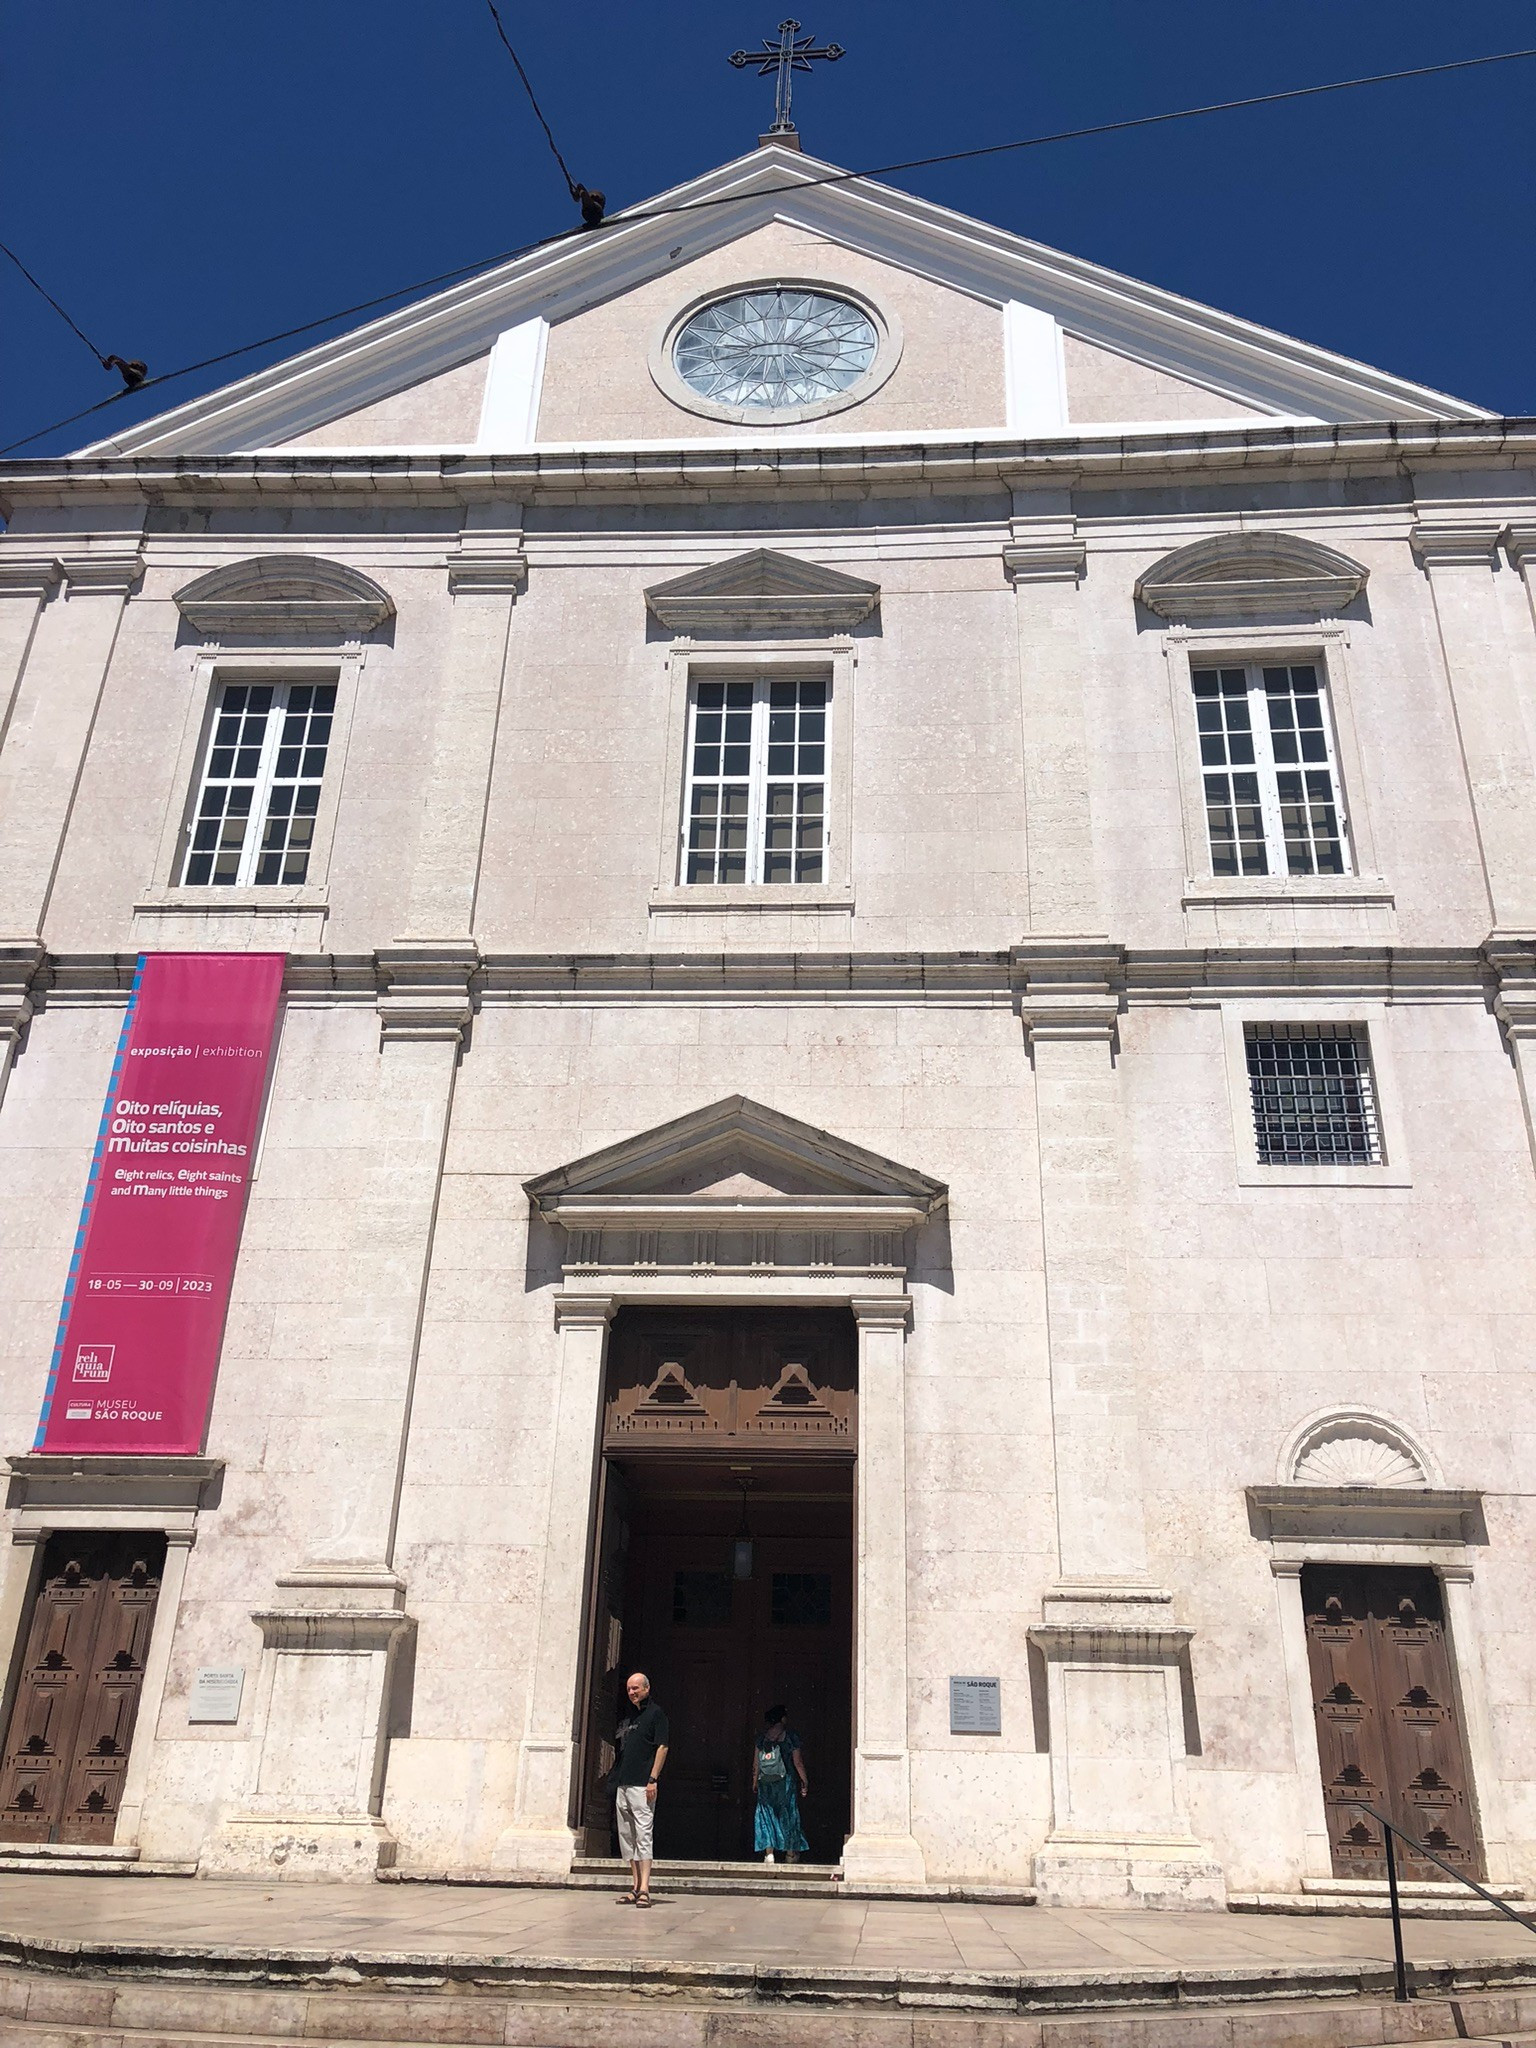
x: 1288, y: 1007
x: 1034, y: 371
x: 169, y: 914
x: 514, y: 385
x: 1192, y: 341
x: 684, y: 661
x: 1326, y: 646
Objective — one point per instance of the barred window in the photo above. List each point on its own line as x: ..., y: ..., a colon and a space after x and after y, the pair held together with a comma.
x: 755, y: 801
x: 1314, y: 1102
x: 259, y: 794
x: 1272, y: 798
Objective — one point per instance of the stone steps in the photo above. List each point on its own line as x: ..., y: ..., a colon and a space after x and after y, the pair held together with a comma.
x: 94, y: 1994
x: 1458, y: 1906
x: 88, y: 1866
x: 43, y: 2012
x: 782, y: 1881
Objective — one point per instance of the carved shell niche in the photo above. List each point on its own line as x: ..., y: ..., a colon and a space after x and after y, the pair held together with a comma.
x: 1348, y: 1452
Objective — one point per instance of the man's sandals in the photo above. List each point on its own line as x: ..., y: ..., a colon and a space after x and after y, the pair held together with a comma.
x: 633, y: 1899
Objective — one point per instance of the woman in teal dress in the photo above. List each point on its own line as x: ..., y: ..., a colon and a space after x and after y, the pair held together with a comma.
x: 779, y: 1783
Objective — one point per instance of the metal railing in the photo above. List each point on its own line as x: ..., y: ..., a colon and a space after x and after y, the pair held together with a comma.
x: 1402, y: 1989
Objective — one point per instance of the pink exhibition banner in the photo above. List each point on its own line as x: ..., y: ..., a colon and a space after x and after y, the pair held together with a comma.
x: 144, y: 1306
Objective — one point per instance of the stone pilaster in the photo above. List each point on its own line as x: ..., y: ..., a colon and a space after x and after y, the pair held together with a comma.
x: 1520, y: 540
x: 882, y: 1849
x: 1512, y: 956
x: 27, y: 580
x: 541, y: 1837
x: 19, y: 967
x: 1490, y: 681
x: 1045, y: 561
x: 1115, y: 1655
x: 62, y: 659
x: 485, y: 576
x: 308, y: 1804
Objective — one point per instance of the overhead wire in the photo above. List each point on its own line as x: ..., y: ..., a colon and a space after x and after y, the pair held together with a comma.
x: 591, y: 203
x: 133, y: 374
x: 637, y: 216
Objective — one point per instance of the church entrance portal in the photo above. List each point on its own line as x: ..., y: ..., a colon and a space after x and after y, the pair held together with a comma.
x: 723, y: 1564
x: 1387, y: 1725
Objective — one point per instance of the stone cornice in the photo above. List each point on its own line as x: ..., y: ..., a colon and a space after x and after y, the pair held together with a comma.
x: 24, y: 575
x: 1472, y: 542
x: 437, y: 987
x: 1069, y: 988
x: 923, y: 463
x: 425, y: 990
x: 1366, y: 1514
x: 482, y: 574
x: 107, y: 573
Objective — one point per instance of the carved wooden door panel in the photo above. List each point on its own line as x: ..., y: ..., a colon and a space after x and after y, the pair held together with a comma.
x: 66, y: 1751
x: 1387, y: 1728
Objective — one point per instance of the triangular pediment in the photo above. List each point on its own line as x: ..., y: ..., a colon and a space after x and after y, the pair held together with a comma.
x: 761, y: 590
x: 1249, y: 370
x: 734, y: 1153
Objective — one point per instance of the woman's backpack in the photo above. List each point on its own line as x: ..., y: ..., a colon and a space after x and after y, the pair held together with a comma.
x: 771, y: 1767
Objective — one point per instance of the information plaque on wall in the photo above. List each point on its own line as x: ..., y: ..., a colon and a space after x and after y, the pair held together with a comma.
x: 216, y: 1693
x: 975, y: 1706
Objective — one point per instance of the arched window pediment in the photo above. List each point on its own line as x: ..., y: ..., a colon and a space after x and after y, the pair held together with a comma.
x: 1354, y: 1447
x: 273, y: 594
x: 1251, y: 576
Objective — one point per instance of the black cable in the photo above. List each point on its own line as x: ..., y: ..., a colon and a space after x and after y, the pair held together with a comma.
x: 591, y: 203
x: 767, y: 192
x: 48, y: 295
x: 133, y: 374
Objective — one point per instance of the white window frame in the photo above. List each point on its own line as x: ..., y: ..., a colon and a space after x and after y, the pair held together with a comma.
x: 692, y: 661
x: 261, y: 784
x: 209, y: 672
x: 1267, y: 770
x: 1325, y: 648
x: 757, y: 778
x: 1372, y: 1021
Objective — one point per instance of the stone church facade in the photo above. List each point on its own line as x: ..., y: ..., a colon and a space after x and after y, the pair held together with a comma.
x: 900, y: 1085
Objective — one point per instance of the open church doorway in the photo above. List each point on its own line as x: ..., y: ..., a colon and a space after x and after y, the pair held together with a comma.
x: 723, y: 1565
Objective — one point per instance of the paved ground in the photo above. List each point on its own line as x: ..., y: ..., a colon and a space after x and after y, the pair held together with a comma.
x: 869, y: 1934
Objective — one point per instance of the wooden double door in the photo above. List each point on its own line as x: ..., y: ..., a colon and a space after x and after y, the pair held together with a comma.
x: 66, y: 1748
x: 1388, y: 1730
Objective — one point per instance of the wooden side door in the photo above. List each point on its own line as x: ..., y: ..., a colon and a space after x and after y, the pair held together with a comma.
x: 1387, y: 1728
x: 605, y: 1671
x: 66, y: 1749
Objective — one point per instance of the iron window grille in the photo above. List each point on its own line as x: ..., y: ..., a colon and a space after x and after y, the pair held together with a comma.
x: 259, y: 794
x: 1314, y: 1100
x: 1270, y: 771
x: 755, y: 801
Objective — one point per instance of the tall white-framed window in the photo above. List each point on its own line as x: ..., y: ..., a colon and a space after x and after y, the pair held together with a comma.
x: 252, y: 821
x: 755, y: 797
x: 1269, y: 769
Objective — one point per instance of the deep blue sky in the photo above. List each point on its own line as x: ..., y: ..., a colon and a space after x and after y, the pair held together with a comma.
x: 186, y: 175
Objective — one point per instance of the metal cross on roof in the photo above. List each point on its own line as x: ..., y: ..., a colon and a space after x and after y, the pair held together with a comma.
x: 792, y: 52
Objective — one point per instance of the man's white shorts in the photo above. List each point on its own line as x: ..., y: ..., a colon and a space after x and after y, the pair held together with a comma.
x: 637, y: 1824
